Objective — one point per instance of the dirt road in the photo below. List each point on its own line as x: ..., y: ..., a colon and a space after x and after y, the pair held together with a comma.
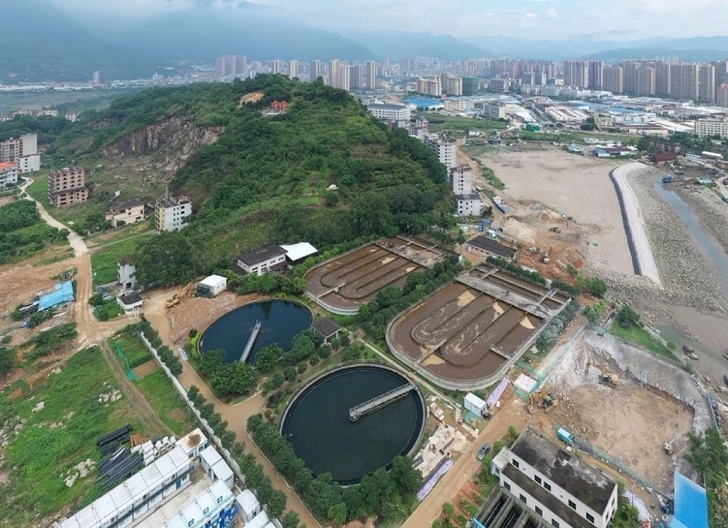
x: 514, y: 413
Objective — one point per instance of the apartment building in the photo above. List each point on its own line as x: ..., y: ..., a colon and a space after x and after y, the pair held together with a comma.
x: 232, y: 66
x: 22, y: 151
x: 8, y: 174
x: 67, y: 187
x: 371, y: 75
x: 356, y: 77
x: 293, y: 68
x: 445, y: 149
x: 555, y: 484
x: 170, y: 213
x: 494, y: 110
x: 390, y: 112
x: 712, y: 127
x: 461, y: 179
x: 314, y: 70
x: 126, y: 212
x: 431, y: 86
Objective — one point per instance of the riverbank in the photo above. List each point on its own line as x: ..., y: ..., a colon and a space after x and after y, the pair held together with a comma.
x: 688, y: 280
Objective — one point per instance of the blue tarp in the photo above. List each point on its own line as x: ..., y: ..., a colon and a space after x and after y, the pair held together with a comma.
x: 691, y: 504
x: 62, y: 293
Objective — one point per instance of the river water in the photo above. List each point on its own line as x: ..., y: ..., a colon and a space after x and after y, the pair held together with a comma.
x: 710, y: 331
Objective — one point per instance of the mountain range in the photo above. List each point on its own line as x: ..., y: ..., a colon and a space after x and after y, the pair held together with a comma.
x: 45, y: 43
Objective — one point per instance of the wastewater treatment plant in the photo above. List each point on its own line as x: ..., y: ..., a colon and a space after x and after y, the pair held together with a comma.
x: 354, y: 420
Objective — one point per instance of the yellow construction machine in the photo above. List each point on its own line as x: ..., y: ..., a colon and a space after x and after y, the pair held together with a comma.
x: 177, y: 297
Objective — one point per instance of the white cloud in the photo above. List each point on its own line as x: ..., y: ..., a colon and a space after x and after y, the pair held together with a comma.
x: 556, y: 19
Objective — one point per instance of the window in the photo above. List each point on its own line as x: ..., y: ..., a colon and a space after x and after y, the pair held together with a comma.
x: 554, y: 523
x: 537, y: 479
x: 572, y: 504
x: 547, y: 486
x: 590, y: 518
x: 539, y: 511
x: 507, y: 486
x: 523, y: 498
x: 515, y: 463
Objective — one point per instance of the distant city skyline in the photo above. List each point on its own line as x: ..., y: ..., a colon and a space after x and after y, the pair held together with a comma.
x: 620, y: 20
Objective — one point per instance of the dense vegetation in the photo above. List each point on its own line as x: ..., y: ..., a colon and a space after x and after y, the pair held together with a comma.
x: 23, y: 233
x: 48, y: 128
x: 381, y: 493
x: 709, y: 457
x: 268, y: 179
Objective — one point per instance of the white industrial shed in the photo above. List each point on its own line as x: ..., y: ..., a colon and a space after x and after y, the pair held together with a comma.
x: 247, y: 505
x: 299, y: 251
x: 474, y: 404
x: 212, y: 286
x: 259, y: 521
x: 215, y: 467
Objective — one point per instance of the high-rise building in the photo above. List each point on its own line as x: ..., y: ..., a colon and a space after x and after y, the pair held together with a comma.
x: 721, y: 95
x: 470, y: 85
x: 452, y: 85
x: 595, y: 75
x: 646, y: 81
x: 684, y: 81
x: 706, y: 83
x: 293, y: 68
x: 613, y: 79
x: 576, y: 73
x: 344, y: 77
x: 232, y: 66
x: 371, y: 75
x: 314, y: 70
x: 67, y: 186
x: 333, y: 73
x: 276, y: 66
x: 170, y: 213
x: 662, y: 78
x: 356, y: 74
x: 97, y: 77
x: 712, y: 127
x: 431, y: 86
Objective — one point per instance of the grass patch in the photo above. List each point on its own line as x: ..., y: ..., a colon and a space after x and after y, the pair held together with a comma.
x: 160, y: 393
x: 103, y: 261
x: 464, y: 123
x: 134, y: 349
x: 108, y: 310
x: 44, y: 456
x: 643, y: 339
x: 50, y: 341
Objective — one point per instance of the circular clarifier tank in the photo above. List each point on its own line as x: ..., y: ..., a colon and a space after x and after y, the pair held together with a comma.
x: 319, y: 426
x: 280, y: 322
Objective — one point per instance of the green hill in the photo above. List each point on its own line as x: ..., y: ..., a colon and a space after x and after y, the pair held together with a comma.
x: 265, y: 179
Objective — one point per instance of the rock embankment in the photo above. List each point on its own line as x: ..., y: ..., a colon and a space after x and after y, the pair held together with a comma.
x: 688, y: 280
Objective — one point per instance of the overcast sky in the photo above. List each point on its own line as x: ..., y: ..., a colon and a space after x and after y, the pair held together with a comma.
x: 534, y: 19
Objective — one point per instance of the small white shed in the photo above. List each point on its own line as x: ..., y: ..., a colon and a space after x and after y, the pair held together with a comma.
x: 212, y: 286
x: 474, y: 404
x: 247, y: 505
x: 259, y: 521
x: 216, y: 467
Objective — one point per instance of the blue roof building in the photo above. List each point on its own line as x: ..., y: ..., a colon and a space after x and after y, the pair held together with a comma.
x: 61, y: 293
x: 691, y: 504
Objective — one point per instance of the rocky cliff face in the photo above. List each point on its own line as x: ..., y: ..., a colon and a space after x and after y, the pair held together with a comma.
x: 179, y: 133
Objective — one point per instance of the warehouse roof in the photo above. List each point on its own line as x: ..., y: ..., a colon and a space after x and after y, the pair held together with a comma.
x: 691, y: 504
x: 386, y: 106
x: 213, y: 280
x: 61, y: 293
x: 261, y: 255
x: 490, y: 245
x: 126, y: 204
x: 299, y: 251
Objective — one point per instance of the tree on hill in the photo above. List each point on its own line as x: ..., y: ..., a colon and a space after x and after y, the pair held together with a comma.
x: 165, y: 260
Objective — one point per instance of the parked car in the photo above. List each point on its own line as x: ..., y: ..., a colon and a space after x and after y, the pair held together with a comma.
x: 483, y: 451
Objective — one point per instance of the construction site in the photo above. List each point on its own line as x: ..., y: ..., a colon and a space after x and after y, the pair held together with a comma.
x: 468, y: 333
x: 342, y: 285
x: 626, y: 408
x: 552, y: 211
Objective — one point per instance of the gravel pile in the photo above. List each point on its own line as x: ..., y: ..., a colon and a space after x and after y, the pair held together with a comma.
x: 687, y: 279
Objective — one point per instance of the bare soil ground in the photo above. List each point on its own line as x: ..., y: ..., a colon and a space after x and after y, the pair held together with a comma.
x: 199, y: 313
x: 627, y: 421
x: 566, y: 184
x: 19, y: 283
x: 145, y: 369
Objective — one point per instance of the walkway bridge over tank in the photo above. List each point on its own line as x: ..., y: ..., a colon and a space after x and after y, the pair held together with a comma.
x: 379, y: 402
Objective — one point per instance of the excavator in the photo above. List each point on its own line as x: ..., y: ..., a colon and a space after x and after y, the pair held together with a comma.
x: 543, y: 400
x: 604, y: 375
x: 177, y: 297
